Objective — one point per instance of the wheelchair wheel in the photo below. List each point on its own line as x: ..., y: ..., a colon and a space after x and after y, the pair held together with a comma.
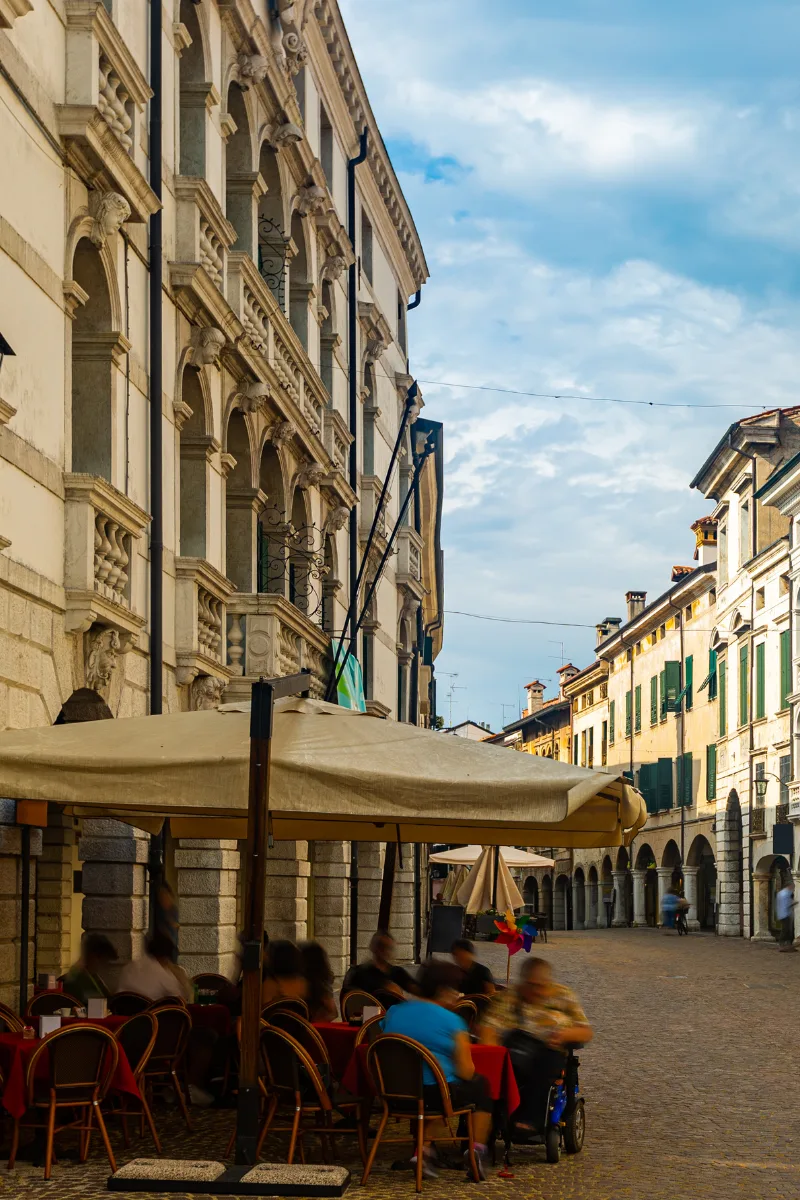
x: 575, y: 1129
x: 552, y: 1144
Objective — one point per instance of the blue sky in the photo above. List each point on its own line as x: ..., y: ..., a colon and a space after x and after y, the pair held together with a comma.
x: 609, y: 199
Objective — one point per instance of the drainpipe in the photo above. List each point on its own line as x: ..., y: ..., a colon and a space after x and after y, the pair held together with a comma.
x: 415, y: 303
x: 155, y: 861
x: 677, y: 608
x: 352, y: 353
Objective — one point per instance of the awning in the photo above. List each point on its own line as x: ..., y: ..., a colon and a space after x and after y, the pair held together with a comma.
x: 336, y: 774
x: 511, y: 856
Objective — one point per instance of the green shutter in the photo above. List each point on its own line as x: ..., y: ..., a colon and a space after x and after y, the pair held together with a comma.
x: 722, y: 678
x: 684, y: 769
x: 662, y: 694
x: 711, y: 771
x: 590, y: 755
x: 786, y: 668
x: 761, y: 699
x: 627, y: 714
x: 664, y: 784
x: 611, y: 729
x: 637, y: 709
x: 654, y: 700
x: 688, y: 681
x: 712, y: 671
x: 672, y: 686
x: 647, y: 786
x: 604, y: 745
x: 743, y: 683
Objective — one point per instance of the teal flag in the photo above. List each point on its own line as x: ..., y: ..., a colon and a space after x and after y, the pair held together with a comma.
x: 350, y: 689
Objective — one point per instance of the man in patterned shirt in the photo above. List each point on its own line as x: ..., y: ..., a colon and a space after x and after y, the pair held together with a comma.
x: 537, y: 1018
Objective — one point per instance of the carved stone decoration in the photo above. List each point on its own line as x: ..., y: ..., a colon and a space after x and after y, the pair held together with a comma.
x: 280, y: 433
x: 207, y: 344
x: 333, y: 267
x: 285, y: 134
x: 252, y: 69
x: 103, y: 647
x: 109, y: 212
x: 181, y: 412
x: 295, y: 50
x: 375, y: 348
x: 310, y: 475
x: 310, y: 198
x: 254, y: 396
x: 337, y: 519
x: 206, y: 693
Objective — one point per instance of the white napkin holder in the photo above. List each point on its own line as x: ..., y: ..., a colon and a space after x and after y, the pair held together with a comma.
x: 97, y: 1008
x: 49, y: 1024
x: 369, y: 1011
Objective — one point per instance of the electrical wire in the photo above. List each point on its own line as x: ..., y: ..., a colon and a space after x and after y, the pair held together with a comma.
x: 519, y: 620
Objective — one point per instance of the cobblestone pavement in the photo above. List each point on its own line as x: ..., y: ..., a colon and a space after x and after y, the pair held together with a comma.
x: 689, y: 1084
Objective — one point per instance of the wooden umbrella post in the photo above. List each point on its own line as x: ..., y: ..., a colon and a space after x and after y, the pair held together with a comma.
x: 262, y: 711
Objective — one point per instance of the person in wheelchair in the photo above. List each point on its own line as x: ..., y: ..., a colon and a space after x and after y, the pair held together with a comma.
x: 537, y: 1019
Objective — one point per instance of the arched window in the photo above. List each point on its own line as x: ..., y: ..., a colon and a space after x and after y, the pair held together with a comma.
x: 369, y: 627
x: 403, y: 669
x: 93, y: 367
x: 406, y: 475
x: 271, y: 227
x: 272, y: 534
x: 194, y: 446
x: 194, y: 90
x: 301, y: 582
x: 327, y: 343
x: 300, y: 286
x: 240, y: 507
x: 329, y: 585
x: 240, y: 177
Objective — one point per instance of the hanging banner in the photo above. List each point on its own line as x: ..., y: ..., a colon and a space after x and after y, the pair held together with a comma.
x: 350, y: 689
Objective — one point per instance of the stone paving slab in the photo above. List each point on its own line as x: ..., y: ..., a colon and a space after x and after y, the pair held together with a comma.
x: 689, y: 1085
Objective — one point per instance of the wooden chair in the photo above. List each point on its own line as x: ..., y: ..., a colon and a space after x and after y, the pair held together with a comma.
x: 396, y: 1065
x: 481, y: 1002
x: 137, y: 1037
x: 304, y: 1033
x: 165, y: 1063
x: 127, y: 1004
x: 352, y: 1004
x: 82, y: 1060
x: 468, y: 1010
x: 209, y: 981
x: 290, y: 1075
x: 9, y: 1021
x: 290, y: 1004
x: 47, y: 1003
x: 369, y: 1031
x: 168, y: 1002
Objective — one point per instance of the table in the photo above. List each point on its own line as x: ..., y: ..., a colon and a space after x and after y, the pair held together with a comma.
x: 340, y: 1042
x: 15, y: 1051
x: 211, y: 1016
x: 112, y: 1022
x: 493, y: 1062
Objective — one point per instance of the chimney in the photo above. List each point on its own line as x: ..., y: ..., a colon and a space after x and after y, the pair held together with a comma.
x: 612, y: 625
x: 535, y: 692
x: 602, y: 632
x: 705, y: 532
x: 636, y: 602
x: 566, y: 673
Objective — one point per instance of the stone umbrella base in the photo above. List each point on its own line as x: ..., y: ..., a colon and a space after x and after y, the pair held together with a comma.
x: 215, y: 1179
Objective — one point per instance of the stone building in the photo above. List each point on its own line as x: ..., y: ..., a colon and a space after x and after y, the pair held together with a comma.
x: 544, y: 727
x: 263, y: 109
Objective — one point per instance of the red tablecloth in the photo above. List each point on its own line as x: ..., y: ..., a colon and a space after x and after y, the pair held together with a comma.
x: 211, y: 1016
x: 340, y: 1041
x: 14, y: 1054
x: 493, y: 1062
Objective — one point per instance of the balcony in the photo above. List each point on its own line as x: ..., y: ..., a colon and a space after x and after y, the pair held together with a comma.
x: 201, y: 596
x: 102, y: 526
x: 409, y: 558
x: 794, y: 800
x: 106, y: 96
x: 204, y: 235
x: 267, y: 635
x: 758, y: 823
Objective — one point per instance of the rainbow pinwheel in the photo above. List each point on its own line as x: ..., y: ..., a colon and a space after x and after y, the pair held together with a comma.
x: 516, y: 933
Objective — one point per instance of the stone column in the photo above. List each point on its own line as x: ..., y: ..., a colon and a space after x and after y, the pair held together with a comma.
x: 690, y: 889
x: 664, y: 884
x: 591, y: 906
x: 619, y: 919
x: 401, y: 924
x: 577, y: 888
x: 207, y: 877
x: 11, y: 904
x: 286, y: 902
x: 54, y: 932
x: 370, y: 876
x: 639, y: 904
x: 761, y: 929
x: 330, y: 877
x: 114, y: 886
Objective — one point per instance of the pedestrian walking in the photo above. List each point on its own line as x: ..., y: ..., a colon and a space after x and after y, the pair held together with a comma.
x: 608, y: 901
x: 784, y: 904
x: 669, y: 908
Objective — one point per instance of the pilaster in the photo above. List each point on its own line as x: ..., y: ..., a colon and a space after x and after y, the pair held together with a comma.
x: 114, y: 857
x: 639, y: 902
x: 286, y: 897
x: 207, y: 877
x: 330, y: 879
x: 55, y: 936
x: 370, y: 875
x: 619, y: 920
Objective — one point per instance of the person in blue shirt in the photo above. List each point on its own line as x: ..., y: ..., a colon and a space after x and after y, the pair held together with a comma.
x: 430, y: 1021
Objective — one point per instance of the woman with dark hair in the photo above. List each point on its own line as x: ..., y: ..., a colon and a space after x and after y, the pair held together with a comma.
x: 319, y: 982
x: 283, y: 973
x: 429, y: 1020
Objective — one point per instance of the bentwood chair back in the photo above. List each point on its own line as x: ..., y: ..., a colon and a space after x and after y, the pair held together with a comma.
x: 9, y: 1021
x: 127, y: 1004
x: 304, y: 1033
x: 291, y: 1004
x: 165, y: 1064
x: 370, y: 1030
x: 468, y: 1011
x: 353, y: 1003
x: 47, y: 1003
x: 137, y: 1037
x: 210, y: 981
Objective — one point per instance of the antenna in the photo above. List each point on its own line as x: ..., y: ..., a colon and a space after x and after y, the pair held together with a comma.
x: 504, y: 707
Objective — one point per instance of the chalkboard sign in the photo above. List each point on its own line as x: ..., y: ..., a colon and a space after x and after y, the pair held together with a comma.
x: 447, y: 921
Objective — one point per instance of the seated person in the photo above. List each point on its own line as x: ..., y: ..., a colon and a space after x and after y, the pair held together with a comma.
x: 319, y: 982
x: 476, y: 979
x: 429, y: 1021
x: 379, y: 974
x: 84, y: 978
x: 537, y: 1019
x: 283, y: 977
x: 155, y: 975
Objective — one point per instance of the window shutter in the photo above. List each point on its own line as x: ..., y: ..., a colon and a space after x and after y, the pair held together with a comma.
x: 604, y: 745
x: 654, y: 700
x: 711, y: 771
x: 785, y: 774
x: 611, y: 730
x: 689, y: 681
x: 722, y: 676
x: 590, y: 759
x: 637, y: 709
x: 712, y: 671
x: 786, y: 668
x: 647, y: 781
x: 761, y: 700
x: 672, y: 686
x: 743, y: 682
x: 664, y: 784
x: 627, y: 714
x: 684, y: 766
x: 662, y: 690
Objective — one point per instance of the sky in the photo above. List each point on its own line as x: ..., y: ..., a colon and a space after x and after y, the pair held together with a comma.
x: 608, y: 195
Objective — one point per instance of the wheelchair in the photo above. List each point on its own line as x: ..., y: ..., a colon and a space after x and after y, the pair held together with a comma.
x: 565, y: 1119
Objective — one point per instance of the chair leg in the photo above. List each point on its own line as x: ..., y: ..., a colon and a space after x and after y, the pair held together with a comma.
x: 86, y: 1137
x: 295, y: 1128
x: 420, y: 1140
x: 51, y: 1125
x: 12, y: 1158
x: 272, y: 1105
x: 123, y: 1118
x: 148, y: 1116
x: 379, y: 1134
x: 104, y: 1134
x: 471, y: 1148
x: 181, y: 1100
x: 231, y: 1142
x: 361, y: 1128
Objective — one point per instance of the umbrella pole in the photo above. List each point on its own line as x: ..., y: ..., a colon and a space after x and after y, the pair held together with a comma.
x: 25, y: 917
x: 387, y: 887
x: 262, y: 712
x: 494, y: 877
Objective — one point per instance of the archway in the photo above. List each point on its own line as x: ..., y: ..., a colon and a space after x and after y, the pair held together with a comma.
x: 327, y: 340
x: 530, y: 893
x: 272, y: 241
x: 700, y: 875
x: 623, y: 888
x: 562, y: 903
x: 592, y: 900
x: 731, y: 865
x: 404, y: 655
x: 547, y: 901
x: 301, y: 582
x: 300, y: 287
x: 93, y: 366
x: 578, y: 899
x: 646, y: 880
x: 240, y: 177
x: 607, y: 889
x: 273, y: 564
x: 194, y: 447
x: 194, y: 92
x: 240, y: 507
x: 770, y: 874
x: 369, y: 412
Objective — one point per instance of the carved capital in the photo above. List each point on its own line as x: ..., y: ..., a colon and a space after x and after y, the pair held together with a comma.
x: 103, y: 647
x: 254, y: 397
x: 207, y: 344
x: 337, y: 519
x: 251, y: 68
x: 181, y: 413
x: 311, y: 198
x: 109, y: 211
x: 226, y: 463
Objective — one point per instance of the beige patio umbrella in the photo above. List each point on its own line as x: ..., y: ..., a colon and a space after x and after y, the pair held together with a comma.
x: 477, y: 893
x: 335, y: 774
x: 452, y: 884
x: 510, y: 855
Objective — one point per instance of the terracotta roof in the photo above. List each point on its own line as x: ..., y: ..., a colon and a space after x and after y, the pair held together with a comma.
x: 701, y: 522
x: 679, y: 572
x: 566, y: 667
x: 536, y: 683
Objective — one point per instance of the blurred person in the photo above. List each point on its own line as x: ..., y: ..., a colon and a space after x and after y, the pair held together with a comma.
x: 784, y: 906
x: 379, y: 973
x: 84, y: 979
x: 283, y: 977
x: 165, y: 917
x: 155, y: 975
x: 669, y: 908
x: 476, y: 979
x: 319, y: 982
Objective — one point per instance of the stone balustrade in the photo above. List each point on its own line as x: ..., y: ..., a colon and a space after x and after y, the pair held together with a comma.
x: 114, y: 102
x: 267, y: 635
x: 201, y: 595
x: 794, y: 800
x: 203, y: 233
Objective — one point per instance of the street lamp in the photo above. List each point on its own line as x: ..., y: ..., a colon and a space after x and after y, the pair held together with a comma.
x: 761, y: 788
